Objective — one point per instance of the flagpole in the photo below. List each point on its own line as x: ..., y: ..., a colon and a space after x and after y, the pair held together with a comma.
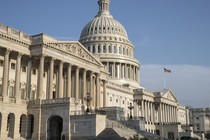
x: 164, y: 80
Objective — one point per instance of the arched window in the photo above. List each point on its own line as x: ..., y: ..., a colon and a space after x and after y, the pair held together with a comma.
x: 123, y: 51
x: 115, y: 49
x: 99, y: 49
x: 104, y: 49
x: 120, y: 50
x: 30, y: 129
x: 127, y: 51
x: 110, y: 49
x: 94, y: 49
x: 10, y: 125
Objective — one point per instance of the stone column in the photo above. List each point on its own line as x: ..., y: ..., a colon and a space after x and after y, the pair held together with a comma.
x: 91, y: 86
x: 163, y: 113
x: 98, y: 92
x: 113, y: 73
x: 17, y: 76
x: 16, y: 126
x: 40, y: 77
x: 60, y: 79
x: 77, y: 83
x: 160, y: 113
x: 174, y: 111
x: 126, y: 71
x: 152, y: 115
x: 176, y: 114
x: 50, y: 93
x: 130, y: 76
x: 120, y: 71
x: 104, y: 94
x: 84, y: 85
x: 5, y: 74
x: 69, y: 80
x: 169, y: 120
x: 3, y: 126
x: 142, y: 108
x: 123, y: 71
x: 28, y: 86
x: 107, y: 67
x: 146, y: 109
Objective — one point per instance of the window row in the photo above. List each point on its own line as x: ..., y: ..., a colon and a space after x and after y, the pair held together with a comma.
x: 12, y: 66
x: 25, y: 127
x: 104, y: 29
x: 110, y: 49
x: 11, y: 92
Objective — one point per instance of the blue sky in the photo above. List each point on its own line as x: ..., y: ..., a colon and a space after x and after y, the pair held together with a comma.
x: 166, y: 33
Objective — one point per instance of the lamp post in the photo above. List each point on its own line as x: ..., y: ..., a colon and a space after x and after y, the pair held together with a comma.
x: 76, y: 104
x: 131, y: 108
x: 88, y: 100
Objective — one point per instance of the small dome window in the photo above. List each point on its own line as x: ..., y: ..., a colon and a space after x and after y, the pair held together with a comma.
x: 104, y: 49
x: 104, y: 28
x: 120, y: 50
x: 123, y: 51
x: 110, y: 49
x: 94, y: 49
x: 115, y: 49
x: 99, y: 49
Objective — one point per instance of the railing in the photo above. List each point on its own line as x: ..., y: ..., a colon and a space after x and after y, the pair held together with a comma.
x: 14, y: 32
x: 84, y: 112
x: 119, y: 86
x: 133, y: 118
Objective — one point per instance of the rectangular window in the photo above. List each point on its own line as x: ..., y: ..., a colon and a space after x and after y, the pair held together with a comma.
x: 22, y: 93
x: 13, y: 66
x: 33, y: 93
x: 34, y: 71
x: 11, y: 92
x: 0, y: 90
x: 1, y: 62
x: 110, y: 69
x: 23, y: 68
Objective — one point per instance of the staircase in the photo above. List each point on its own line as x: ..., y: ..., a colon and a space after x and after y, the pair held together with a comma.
x: 116, y: 131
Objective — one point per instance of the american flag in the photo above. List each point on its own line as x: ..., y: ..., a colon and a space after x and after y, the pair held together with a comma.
x: 167, y: 70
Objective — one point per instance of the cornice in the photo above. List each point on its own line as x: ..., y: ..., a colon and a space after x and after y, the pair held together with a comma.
x: 13, y: 39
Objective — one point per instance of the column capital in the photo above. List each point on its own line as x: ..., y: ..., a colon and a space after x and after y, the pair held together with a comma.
x: 7, y: 50
x: 53, y: 59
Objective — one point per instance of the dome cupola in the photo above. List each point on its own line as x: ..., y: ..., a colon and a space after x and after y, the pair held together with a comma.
x: 107, y: 39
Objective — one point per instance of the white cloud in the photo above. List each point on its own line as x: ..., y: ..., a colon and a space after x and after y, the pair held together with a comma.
x: 189, y: 83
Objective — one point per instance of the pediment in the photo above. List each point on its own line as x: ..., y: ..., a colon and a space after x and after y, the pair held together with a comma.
x: 168, y: 94
x: 76, y: 49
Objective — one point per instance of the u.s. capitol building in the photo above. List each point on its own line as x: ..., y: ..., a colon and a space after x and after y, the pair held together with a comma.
x: 48, y: 85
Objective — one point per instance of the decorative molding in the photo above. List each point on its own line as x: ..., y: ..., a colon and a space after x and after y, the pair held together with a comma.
x: 74, y: 48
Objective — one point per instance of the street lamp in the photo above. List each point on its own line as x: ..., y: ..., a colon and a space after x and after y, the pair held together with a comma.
x: 76, y: 104
x: 131, y: 108
x: 88, y: 100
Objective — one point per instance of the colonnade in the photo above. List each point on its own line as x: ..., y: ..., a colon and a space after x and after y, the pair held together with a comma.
x: 167, y: 113
x: 148, y: 111
x: 63, y: 79
x: 123, y: 71
x: 164, y: 113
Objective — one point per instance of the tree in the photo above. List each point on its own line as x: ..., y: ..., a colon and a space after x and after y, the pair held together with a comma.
x: 136, y: 137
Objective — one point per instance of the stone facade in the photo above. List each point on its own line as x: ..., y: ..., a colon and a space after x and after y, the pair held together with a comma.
x: 44, y: 83
x: 200, y: 118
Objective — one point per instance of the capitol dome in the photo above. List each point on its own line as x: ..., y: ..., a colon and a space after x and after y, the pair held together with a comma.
x: 107, y: 39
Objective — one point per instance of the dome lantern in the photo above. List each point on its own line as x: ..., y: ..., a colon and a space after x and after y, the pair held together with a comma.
x: 103, y: 8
